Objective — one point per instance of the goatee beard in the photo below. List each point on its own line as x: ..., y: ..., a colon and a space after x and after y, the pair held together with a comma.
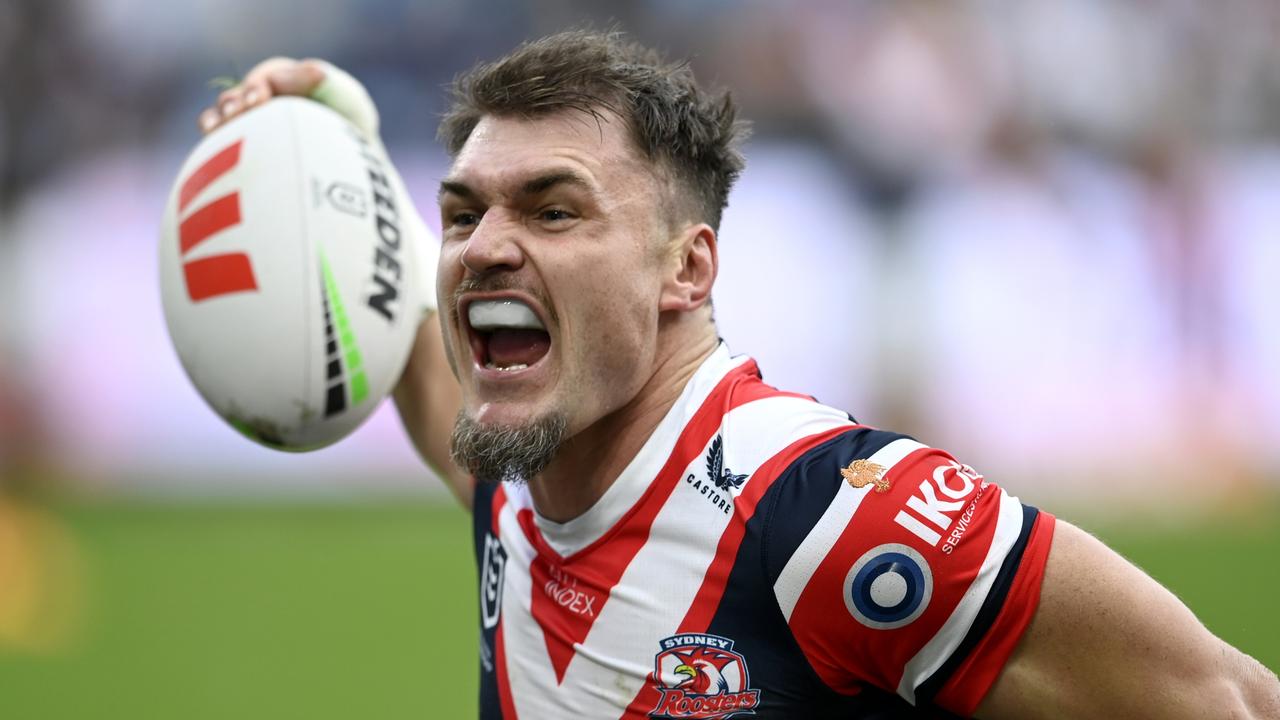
x: 505, y: 453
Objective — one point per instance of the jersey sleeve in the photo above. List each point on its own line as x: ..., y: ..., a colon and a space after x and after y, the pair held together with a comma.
x: 897, y: 566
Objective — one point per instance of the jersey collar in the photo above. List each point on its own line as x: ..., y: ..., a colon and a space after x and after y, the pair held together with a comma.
x: 569, y: 537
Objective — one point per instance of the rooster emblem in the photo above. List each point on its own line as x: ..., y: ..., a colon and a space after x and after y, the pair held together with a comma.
x: 862, y: 473
x: 703, y: 672
x: 721, y: 475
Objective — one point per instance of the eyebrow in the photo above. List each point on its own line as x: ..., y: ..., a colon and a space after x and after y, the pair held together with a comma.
x: 543, y: 183
x: 453, y: 187
x: 532, y: 186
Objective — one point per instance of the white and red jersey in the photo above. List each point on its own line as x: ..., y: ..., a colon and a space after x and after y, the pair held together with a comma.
x: 765, y: 556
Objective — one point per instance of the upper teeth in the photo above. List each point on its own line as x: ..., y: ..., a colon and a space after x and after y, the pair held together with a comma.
x: 488, y: 315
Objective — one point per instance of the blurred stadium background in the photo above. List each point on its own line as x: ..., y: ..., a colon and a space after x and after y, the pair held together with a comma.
x: 1044, y: 235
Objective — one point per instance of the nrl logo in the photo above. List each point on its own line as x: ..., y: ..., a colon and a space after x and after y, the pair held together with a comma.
x: 493, y: 567
x: 862, y: 473
x: 721, y: 475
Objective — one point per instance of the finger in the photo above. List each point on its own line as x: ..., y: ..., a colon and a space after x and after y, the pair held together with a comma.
x: 208, y: 120
x: 256, y: 92
x: 231, y: 102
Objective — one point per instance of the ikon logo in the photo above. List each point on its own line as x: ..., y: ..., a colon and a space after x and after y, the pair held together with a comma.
x: 215, y: 275
x: 952, y: 480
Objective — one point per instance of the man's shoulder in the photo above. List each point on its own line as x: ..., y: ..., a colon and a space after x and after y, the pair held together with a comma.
x: 824, y: 439
x: 800, y: 453
x: 763, y: 430
x: 854, y: 461
x: 753, y: 409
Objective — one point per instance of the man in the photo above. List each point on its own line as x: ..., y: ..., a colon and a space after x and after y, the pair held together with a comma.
x: 659, y: 533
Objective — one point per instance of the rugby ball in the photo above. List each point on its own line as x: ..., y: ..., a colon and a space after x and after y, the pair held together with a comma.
x: 289, y: 290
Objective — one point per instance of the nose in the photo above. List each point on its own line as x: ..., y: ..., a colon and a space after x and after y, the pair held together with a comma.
x: 493, y: 246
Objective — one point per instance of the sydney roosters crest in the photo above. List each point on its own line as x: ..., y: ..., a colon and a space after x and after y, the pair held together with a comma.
x: 700, y: 676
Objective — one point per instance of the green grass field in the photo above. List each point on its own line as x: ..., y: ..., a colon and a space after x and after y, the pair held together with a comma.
x: 341, y: 611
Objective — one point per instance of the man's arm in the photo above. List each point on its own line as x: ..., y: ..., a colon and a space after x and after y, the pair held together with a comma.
x: 1108, y: 641
x: 427, y: 395
x: 428, y: 398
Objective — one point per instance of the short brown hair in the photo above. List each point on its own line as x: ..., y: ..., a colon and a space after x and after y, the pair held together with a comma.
x: 674, y: 123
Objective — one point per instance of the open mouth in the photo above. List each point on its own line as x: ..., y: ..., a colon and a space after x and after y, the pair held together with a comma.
x: 506, y: 334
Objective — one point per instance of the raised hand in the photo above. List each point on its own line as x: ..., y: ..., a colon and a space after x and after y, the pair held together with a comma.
x: 269, y: 78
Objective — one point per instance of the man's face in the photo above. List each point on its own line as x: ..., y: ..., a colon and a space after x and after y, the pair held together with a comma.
x: 551, y: 269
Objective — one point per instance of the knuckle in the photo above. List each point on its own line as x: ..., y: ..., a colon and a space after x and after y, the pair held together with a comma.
x: 207, y: 120
x: 256, y: 92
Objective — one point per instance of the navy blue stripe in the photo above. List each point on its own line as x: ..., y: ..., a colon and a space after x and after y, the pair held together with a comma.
x: 482, y: 525
x: 482, y: 514
x: 803, y: 491
x: 986, y: 614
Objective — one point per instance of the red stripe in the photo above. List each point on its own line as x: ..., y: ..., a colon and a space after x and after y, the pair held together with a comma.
x: 500, y: 653
x: 212, y: 169
x: 970, y: 682
x: 499, y: 501
x: 504, y: 688
x: 597, y: 568
x: 704, y: 605
x: 212, y: 218
x: 561, y: 626
x: 219, y: 275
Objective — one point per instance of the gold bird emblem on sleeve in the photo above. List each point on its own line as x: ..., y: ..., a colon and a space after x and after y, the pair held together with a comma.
x: 862, y: 473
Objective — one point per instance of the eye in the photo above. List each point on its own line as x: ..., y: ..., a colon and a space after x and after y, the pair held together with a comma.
x: 554, y: 215
x: 464, y: 219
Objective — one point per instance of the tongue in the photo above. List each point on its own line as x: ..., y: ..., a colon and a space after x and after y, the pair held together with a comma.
x: 517, y: 347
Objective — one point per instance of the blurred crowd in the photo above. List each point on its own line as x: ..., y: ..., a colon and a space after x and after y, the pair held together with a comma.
x: 1058, y: 221
x: 905, y: 90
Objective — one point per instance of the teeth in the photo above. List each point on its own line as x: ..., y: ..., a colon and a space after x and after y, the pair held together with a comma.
x: 505, y: 368
x: 488, y: 315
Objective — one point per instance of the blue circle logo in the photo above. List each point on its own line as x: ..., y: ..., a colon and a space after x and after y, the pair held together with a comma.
x: 888, y: 587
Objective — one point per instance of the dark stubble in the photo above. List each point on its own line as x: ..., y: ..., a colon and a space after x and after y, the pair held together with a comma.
x: 498, y: 453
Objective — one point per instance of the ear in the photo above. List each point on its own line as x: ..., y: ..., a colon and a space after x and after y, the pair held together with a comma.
x: 692, y: 270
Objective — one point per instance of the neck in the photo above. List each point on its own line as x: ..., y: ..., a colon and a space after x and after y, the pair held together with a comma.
x: 590, y: 462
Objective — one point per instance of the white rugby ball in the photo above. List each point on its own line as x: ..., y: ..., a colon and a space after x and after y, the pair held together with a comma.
x: 289, y: 288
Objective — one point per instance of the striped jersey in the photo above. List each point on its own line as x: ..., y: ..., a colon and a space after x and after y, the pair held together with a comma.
x: 762, y: 556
